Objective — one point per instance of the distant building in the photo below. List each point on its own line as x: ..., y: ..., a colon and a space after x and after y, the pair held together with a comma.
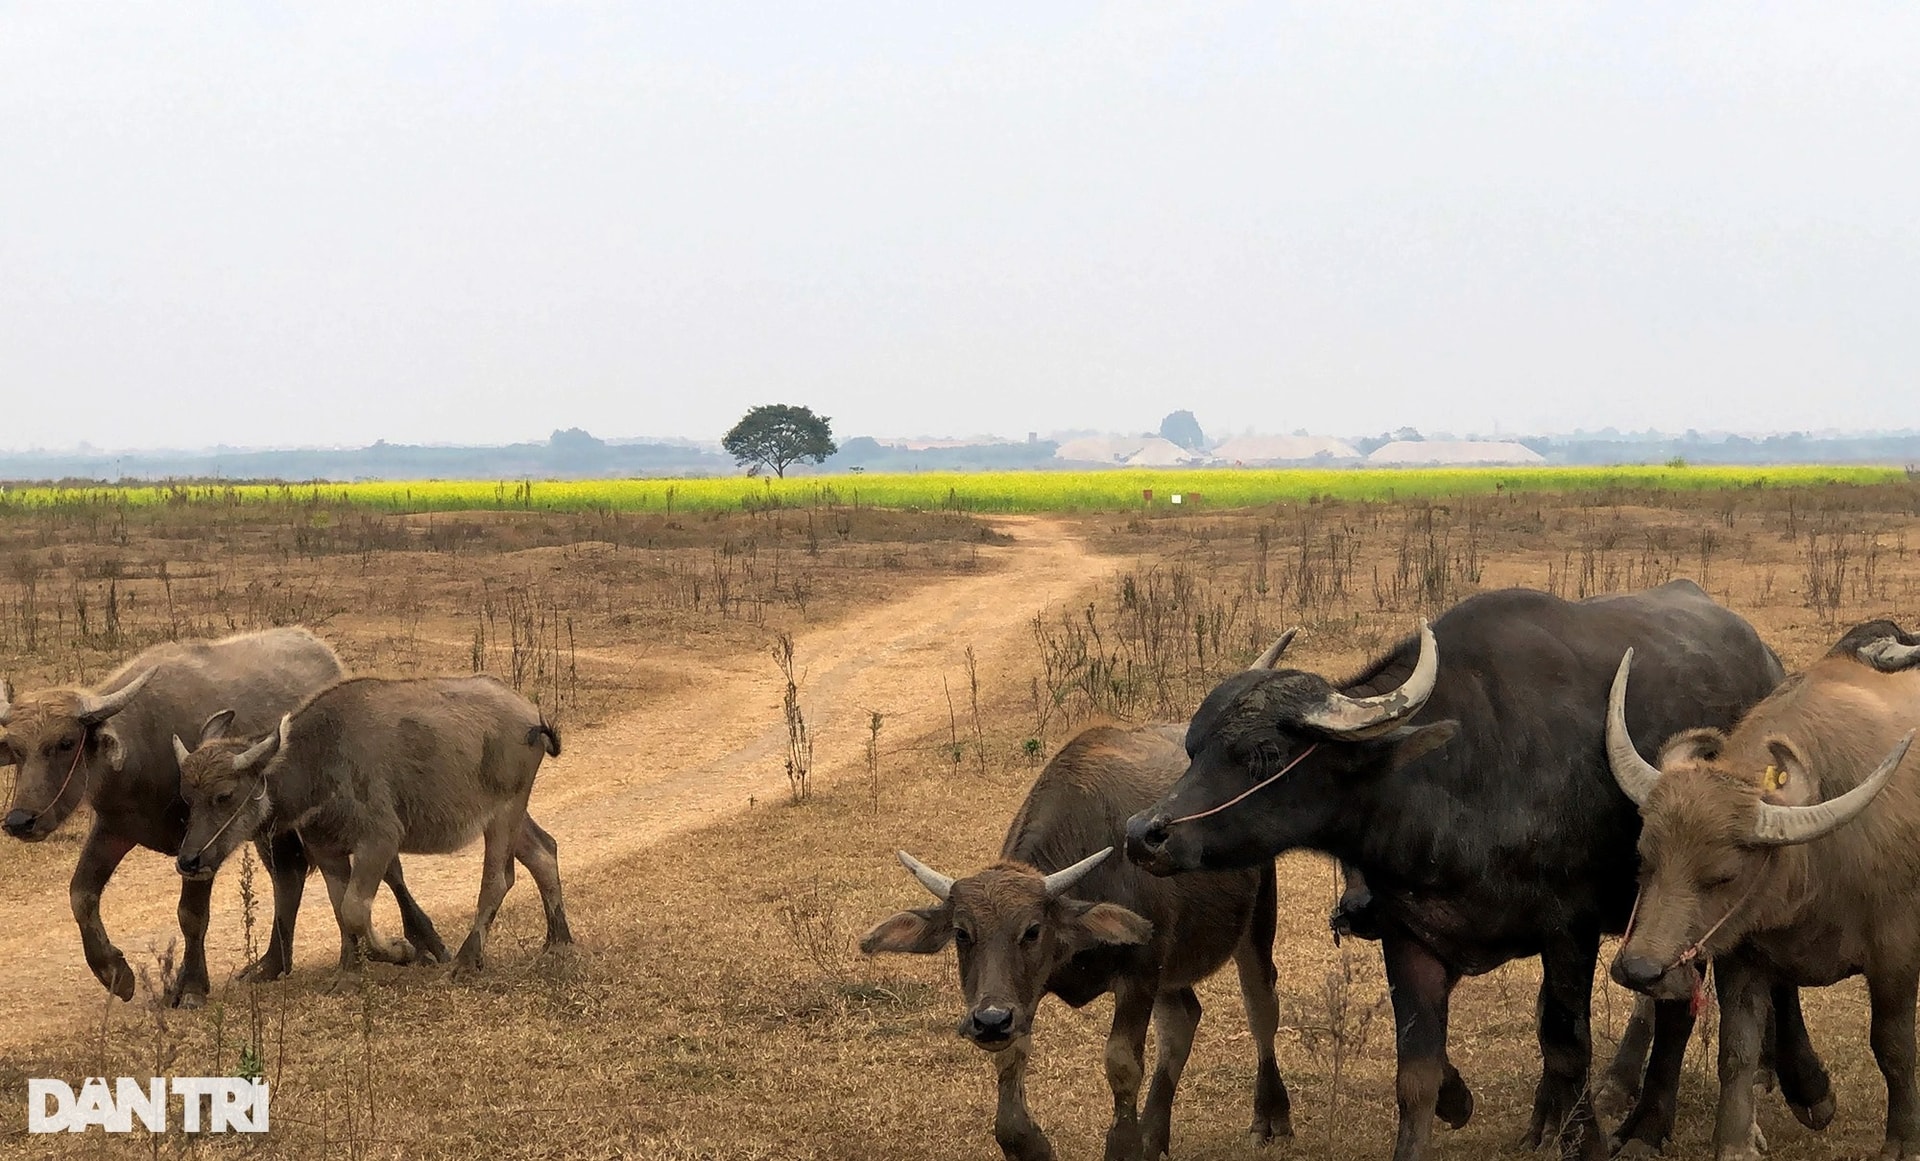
x: 1133, y: 451
x: 1252, y: 450
x: 1452, y: 453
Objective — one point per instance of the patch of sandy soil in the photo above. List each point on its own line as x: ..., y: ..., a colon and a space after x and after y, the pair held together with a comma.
x: 712, y: 746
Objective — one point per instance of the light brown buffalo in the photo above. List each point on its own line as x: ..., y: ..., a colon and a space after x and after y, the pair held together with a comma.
x: 370, y: 768
x: 1785, y: 851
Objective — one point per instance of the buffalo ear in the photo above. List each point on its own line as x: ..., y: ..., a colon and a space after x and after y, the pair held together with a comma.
x: 112, y: 748
x: 1412, y: 743
x: 1093, y: 924
x: 921, y: 931
x: 1787, y: 782
x: 1698, y: 745
x: 216, y: 727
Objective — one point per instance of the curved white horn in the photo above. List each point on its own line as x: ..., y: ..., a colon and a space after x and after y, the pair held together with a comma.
x: 1779, y: 826
x: 180, y: 751
x: 941, y: 885
x: 1357, y: 718
x: 1635, y: 774
x: 94, y: 710
x: 1266, y: 660
x: 1888, y: 656
x: 1066, y: 877
x: 260, y: 751
x: 6, y: 702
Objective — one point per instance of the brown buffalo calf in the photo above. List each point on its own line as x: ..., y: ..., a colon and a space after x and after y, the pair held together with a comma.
x: 1094, y: 925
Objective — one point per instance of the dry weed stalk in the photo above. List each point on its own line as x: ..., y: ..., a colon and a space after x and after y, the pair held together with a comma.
x: 799, y: 742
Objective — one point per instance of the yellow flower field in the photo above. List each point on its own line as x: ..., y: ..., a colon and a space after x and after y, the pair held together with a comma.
x: 1007, y: 492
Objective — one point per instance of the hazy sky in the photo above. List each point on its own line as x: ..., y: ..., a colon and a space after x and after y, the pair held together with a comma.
x: 260, y: 223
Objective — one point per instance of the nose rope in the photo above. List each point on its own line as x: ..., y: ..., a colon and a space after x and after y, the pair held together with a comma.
x: 78, y: 751
x: 1249, y: 791
x: 1693, y: 950
x: 223, y: 826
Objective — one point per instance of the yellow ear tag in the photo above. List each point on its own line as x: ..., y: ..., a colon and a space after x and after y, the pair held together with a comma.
x: 1774, y: 778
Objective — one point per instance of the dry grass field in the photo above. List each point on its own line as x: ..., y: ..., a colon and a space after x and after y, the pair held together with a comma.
x: 716, y: 1006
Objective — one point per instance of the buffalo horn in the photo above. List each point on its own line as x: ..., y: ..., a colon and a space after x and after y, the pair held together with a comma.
x: 1266, y: 660
x: 96, y: 709
x: 260, y: 751
x: 1635, y: 774
x: 6, y: 702
x: 1358, y: 718
x: 1887, y: 656
x: 1063, y: 879
x: 1779, y: 826
x: 180, y: 751
x: 941, y: 885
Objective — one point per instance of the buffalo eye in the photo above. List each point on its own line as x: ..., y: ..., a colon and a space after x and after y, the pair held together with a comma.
x: 1031, y: 934
x: 64, y: 745
x: 962, y: 937
x: 223, y: 798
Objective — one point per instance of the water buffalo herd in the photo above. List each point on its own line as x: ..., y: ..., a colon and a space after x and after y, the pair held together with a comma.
x: 312, y: 766
x: 1485, y: 786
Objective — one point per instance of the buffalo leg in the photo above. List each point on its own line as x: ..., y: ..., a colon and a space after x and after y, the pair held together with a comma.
x: 414, y: 922
x: 1619, y: 1089
x: 1646, y: 1128
x: 1176, y: 1015
x: 286, y: 862
x: 1803, y: 1078
x: 1743, y: 1024
x: 496, y: 876
x: 1893, y: 1050
x: 1420, y: 986
x: 371, y: 863
x: 1126, y: 1049
x: 189, y: 989
x: 99, y: 856
x: 334, y: 869
x: 1019, y: 1138
x: 539, y: 854
x: 1562, y: 1110
x: 1272, y: 1111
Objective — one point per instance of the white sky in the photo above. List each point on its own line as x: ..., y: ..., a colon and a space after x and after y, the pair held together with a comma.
x: 257, y: 223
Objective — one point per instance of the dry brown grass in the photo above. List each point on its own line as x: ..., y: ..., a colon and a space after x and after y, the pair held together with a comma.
x: 718, y: 1009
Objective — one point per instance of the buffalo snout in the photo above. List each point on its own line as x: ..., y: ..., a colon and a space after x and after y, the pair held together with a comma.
x: 1150, y: 843
x: 19, y: 824
x: 194, y: 867
x: 1652, y: 977
x: 989, y: 1027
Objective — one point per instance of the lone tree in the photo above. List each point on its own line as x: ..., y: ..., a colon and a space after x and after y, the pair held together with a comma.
x: 1182, y: 428
x: 776, y: 435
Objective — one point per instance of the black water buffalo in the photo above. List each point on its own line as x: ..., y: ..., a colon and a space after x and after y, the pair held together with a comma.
x: 1465, y: 775
x: 112, y: 748
x: 1881, y: 644
x: 1093, y: 925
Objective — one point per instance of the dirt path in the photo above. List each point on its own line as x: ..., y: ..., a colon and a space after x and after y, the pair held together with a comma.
x: 661, y: 769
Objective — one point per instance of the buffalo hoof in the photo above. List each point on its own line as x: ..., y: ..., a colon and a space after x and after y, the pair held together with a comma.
x: 1123, y: 1143
x: 1898, y: 1150
x: 1634, y: 1149
x: 116, y: 976
x: 190, y: 1000
x: 1266, y: 1129
x: 267, y: 967
x: 1816, y: 1116
x: 1613, y: 1101
x: 395, y: 951
x: 186, y: 993
x: 1455, y: 1104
